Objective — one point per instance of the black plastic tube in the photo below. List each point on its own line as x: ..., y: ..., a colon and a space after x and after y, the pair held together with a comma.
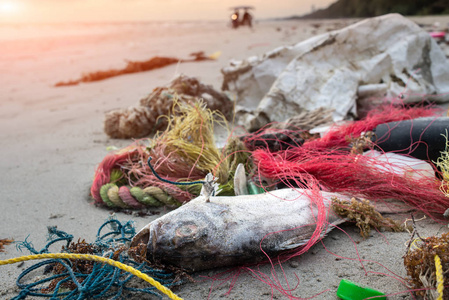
x: 422, y: 138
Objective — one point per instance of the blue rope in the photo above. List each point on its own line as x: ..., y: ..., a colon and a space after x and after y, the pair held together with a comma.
x: 54, y: 236
x: 104, y: 282
x: 169, y: 181
x: 125, y: 231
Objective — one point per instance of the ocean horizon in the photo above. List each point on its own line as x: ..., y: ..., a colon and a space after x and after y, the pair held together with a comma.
x: 15, y: 31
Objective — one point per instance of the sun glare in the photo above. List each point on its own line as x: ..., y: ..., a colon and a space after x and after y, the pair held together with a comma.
x: 8, y: 7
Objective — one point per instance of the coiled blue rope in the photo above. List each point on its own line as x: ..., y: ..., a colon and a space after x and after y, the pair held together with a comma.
x: 103, y: 282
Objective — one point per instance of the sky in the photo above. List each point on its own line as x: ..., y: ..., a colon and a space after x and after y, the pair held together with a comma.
x: 23, y: 11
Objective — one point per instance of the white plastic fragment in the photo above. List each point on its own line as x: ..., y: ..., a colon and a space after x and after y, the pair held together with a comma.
x: 402, y: 165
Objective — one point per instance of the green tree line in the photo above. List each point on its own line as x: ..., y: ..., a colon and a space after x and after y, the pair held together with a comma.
x: 371, y: 8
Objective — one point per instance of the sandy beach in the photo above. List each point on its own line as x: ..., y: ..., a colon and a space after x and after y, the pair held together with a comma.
x: 51, y: 140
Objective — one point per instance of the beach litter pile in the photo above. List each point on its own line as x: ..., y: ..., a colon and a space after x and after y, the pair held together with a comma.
x: 334, y: 138
x: 338, y: 130
x: 309, y: 185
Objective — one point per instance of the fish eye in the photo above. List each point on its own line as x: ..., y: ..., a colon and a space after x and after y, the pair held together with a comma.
x: 187, y: 230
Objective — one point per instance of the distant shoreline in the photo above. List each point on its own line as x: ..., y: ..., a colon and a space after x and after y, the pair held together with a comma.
x: 303, y: 18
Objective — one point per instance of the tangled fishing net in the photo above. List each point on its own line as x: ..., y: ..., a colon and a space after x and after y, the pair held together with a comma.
x: 293, y: 132
x: 145, y: 118
x: 79, y: 279
x: 186, y: 151
x: 334, y: 161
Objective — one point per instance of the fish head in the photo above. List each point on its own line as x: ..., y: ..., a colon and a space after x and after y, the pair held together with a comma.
x: 186, y: 239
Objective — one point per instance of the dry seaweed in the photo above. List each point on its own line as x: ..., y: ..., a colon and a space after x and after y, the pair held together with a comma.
x: 420, y: 264
x: 139, y: 254
x: 361, y: 143
x: 365, y: 216
x: 4, y: 242
x: 81, y: 266
x: 133, y: 67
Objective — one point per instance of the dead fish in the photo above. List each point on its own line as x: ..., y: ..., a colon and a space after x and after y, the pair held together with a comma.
x: 229, y: 230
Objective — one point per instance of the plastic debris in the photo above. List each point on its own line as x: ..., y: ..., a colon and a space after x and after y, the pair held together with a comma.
x: 402, y: 165
x: 422, y: 138
x: 348, y: 290
x: 395, y: 59
x: 253, y: 189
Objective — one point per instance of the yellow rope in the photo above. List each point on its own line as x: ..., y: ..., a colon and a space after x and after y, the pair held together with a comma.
x: 413, y: 245
x: 440, y: 279
x: 90, y: 257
